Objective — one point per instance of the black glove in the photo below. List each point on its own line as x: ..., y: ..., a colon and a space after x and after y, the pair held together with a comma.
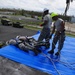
x: 50, y: 36
x: 58, y: 33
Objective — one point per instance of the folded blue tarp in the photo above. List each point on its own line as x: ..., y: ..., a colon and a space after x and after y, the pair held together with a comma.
x: 61, y: 65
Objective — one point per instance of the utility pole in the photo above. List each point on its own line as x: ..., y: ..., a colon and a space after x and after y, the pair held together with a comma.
x: 67, y: 6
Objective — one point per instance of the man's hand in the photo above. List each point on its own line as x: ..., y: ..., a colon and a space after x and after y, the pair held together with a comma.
x: 58, y: 33
x: 41, y: 25
x: 50, y: 36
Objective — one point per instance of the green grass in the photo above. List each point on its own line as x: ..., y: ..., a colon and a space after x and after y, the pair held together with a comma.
x: 25, y: 22
x: 32, y: 28
x: 40, y: 18
x: 70, y: 34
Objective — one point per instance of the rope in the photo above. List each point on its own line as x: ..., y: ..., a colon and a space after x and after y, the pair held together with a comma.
x: 66, y: 63
x: 72, y: 63
x: 52, y: 63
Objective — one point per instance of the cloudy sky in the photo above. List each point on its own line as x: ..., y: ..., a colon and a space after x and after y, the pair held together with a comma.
x: 57, y: 6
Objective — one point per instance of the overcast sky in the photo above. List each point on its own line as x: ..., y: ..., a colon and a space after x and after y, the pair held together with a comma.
x: 57, y: 6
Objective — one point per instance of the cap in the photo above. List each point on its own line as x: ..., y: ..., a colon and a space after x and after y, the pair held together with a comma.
x: 54, y: 14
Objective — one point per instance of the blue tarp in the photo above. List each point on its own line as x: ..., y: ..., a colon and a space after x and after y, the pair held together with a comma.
x: 61, y: 65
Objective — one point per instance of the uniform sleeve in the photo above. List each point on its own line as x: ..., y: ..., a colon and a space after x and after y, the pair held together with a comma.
x: 45, y: 18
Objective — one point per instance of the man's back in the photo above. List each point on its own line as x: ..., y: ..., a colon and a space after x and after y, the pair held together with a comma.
x: 49, y: 21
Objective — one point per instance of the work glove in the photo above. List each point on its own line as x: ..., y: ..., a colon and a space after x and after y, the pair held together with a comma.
x: 50, y: 36
x: 58, y: 33
x: 40, y: 24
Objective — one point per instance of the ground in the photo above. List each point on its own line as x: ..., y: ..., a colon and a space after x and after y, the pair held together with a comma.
x: 8, y: 67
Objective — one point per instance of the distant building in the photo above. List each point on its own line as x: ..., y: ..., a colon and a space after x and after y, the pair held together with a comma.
x: 73, y: 20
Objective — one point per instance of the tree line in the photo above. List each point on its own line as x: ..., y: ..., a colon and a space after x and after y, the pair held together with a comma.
x: 31, y: 13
